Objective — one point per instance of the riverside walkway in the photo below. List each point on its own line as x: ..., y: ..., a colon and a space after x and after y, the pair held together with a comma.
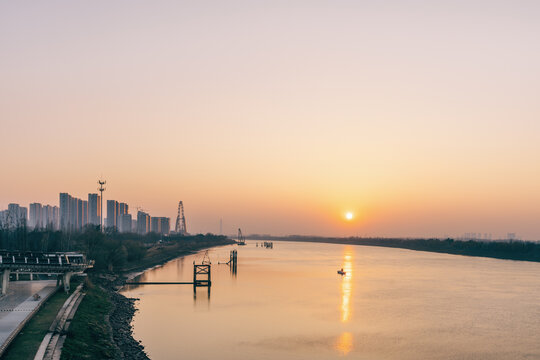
x: 18, y: 305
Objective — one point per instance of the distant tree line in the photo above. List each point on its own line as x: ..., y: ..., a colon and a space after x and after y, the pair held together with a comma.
x: 110, y: 249
x: 513, y: 250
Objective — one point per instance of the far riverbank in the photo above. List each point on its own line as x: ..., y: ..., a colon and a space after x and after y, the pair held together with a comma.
x: 508, y: 250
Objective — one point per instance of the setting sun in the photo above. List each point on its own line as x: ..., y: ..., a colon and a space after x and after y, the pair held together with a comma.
x: 349, y: 215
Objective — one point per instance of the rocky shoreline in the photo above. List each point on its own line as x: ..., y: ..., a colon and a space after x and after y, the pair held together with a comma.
x: 124, y: 308
x: 120, y: 318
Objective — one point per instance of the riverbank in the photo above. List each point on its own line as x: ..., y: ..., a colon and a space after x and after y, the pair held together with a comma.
x: 102, y: 329
x: 507, y: 250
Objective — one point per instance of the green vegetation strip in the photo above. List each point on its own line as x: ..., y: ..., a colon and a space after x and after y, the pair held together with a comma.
x: 26, y: 344
x: 89, y: 335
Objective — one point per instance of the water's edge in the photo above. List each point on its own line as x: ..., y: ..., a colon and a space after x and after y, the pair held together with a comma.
x: 124, y: 308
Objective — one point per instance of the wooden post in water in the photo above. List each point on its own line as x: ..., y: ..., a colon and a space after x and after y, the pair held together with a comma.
x: 233, y: 261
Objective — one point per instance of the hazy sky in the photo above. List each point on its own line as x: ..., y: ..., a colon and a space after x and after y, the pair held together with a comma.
x: 421, y: 117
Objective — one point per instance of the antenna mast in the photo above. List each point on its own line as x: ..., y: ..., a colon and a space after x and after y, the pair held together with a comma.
x: 101, y: 190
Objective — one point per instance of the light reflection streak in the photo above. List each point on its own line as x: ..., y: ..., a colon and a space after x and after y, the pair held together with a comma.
x: 346, y: 285
x: 344, y: 343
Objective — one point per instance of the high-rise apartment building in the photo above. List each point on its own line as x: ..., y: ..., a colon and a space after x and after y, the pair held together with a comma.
x: 50, y: 217
x: 122, y: 210
x: 84, y: 213
x: 160, y: 225
x: 80, y: 214
x: 35, y: 220
x: 165, y: 225
x: 124, y: 223
x: 94, y: 209
x: 112, y: 213
x: 15, y: 216
x: 143, y: 222
x: 65, y: 205
x: 43, y: 216
x: 72, y: 215
x: 155, y: 226
x: 73, y: 212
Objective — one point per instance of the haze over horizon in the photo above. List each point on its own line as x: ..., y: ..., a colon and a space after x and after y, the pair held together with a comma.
x: 420, y: 118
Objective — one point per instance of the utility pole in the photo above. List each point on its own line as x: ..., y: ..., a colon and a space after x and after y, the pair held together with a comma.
x: 101, y: 190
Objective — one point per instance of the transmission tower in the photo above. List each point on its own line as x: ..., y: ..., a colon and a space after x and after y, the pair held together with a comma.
x: 101, y: 190
x: 181, y: 220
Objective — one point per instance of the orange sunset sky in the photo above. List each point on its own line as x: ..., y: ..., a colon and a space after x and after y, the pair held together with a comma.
x: 420, y: 118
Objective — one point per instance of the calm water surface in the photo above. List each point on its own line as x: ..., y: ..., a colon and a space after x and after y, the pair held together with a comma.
x: 289, y: 303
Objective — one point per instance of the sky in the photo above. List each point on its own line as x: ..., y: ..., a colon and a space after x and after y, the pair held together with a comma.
x: 420, y: 117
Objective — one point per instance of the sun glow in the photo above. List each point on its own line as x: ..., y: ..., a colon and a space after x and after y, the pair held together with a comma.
x: 349, y: 215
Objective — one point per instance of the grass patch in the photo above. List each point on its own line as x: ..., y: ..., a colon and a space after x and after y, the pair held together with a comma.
x: 89, y: 335
x: 26, y: 344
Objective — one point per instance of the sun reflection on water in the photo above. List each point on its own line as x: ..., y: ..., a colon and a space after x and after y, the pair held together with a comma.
x: 346, y: 284
x: 344, y: 343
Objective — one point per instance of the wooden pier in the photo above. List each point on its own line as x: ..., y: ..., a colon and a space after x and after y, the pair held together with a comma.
x: 201, y: 278
x: 204, y: 272
x: 159, y: 283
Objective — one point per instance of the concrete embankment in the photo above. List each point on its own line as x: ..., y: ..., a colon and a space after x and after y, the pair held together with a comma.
x: 51, y: 346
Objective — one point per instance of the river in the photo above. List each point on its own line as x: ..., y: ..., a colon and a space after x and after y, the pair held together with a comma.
x: 289, y: 303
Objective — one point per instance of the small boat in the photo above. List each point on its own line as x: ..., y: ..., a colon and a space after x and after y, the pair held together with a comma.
x: 341, y: 272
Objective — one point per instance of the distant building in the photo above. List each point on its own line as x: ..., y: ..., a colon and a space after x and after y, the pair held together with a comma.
x: 80, y: 214
x: 143, y: 222
x: 155, y: 225
x: 112, y: 213
x: 165, y: 225
x: 72, y: 214
x: 50, y: 217
x: 122, y: 210
x: 161, y: 225
x: 94, y: 209
x: 65, y: 203
x: 35, y: 220
x: 124, y: 223
x: 15, y: 216
x: 84, y: 213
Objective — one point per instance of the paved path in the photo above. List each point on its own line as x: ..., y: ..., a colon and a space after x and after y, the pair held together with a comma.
x: 18, y: 305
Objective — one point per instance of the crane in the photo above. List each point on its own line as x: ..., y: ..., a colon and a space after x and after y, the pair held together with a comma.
x: 241, y: 238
